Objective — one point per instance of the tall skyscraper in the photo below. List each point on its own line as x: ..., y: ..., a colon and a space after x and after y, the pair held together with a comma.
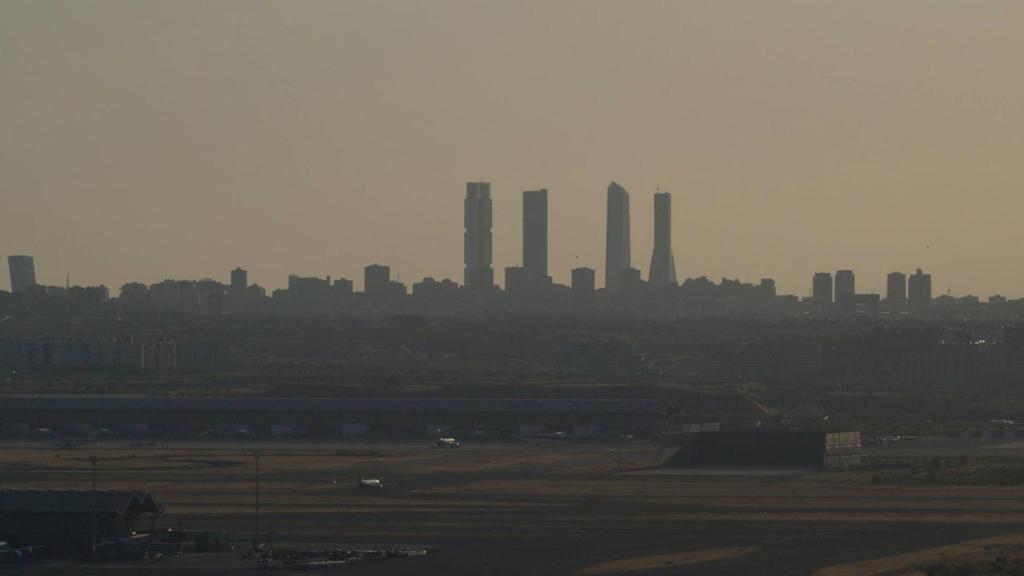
x: 663, y: 263
x: 479, y: 274
x: 845, y: 288
x: 23, y: 272
x: 896, y: 288
x: 821, y: 291
x: 920, y: 288
x: 617, y: 249
x: 239, y: 281
x: 535, y: 234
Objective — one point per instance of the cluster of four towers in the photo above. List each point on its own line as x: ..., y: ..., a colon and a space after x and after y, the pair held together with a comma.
x: 479, y: 273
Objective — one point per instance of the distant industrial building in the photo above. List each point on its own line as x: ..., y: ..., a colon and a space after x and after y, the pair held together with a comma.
x: 785, y: 448
x: 71, y: 520
x: 821, y: 291
x: 583, y: 280
x: 535, y: 234
x: 478, y: 239
x: 617, y: 247
x: 663, y: 265
x: 920, y: 289
x: 23, y: 272
x: 896, y: 289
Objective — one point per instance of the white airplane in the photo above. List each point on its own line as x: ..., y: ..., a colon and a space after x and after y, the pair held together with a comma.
x: 365, y: 484
x: 446, y: 443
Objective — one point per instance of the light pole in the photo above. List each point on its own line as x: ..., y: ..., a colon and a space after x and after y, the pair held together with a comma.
x: 256, y: 539
x: 92, y: 460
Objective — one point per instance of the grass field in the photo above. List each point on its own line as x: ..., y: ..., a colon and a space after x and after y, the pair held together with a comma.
x: 527, y: 508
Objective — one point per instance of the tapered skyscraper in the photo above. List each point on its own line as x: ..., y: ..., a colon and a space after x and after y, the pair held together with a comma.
x: 616, y: 257
x: 479, y: 274
x: 663, y: 263
x: 535, y: 234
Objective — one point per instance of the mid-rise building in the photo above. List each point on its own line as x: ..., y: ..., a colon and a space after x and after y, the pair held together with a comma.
x: 630, y: 282
x: 583, y: 281
x: 239, y: 281
x: 377, y: 282
x: 307, y: 291
x: 23, y: 272
x: 342, y: 287
x: 479, y: 275
x: 920, y: 289
x: 431, y: 288
x: 663, y: 264
x: 845, y: 289
x: 376, y: 279
x: 821, y: 291
x: 617, y: 248
x: 516, y: 279
x: 896, y: 289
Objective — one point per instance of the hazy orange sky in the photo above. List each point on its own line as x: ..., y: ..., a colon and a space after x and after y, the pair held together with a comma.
x: 142, y: 140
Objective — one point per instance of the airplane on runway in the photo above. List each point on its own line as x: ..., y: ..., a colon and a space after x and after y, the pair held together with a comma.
x: 365, y: 484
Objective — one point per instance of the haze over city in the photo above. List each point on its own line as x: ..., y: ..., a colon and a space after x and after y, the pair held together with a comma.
x: 152, y: 140
x: 463, y: 287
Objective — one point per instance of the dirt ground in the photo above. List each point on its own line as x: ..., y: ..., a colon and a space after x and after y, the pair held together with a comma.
x: 522, y: 508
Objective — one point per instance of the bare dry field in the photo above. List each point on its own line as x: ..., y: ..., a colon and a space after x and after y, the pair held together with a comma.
x: 525, y: 508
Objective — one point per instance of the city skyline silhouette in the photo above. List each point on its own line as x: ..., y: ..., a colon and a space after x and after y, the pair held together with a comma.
x: 184, y: 140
